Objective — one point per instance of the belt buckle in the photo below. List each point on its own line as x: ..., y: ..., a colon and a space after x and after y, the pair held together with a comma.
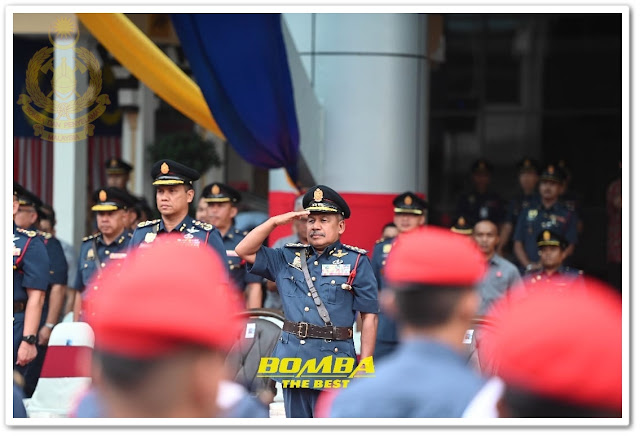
x: 299, y: 334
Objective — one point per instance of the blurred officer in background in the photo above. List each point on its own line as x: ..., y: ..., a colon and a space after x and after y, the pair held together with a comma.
x: 322, y: 286
x: 528, y: 177
x: 222, y: 201
x: 559, y: 354
x: 174, y: 192
x: 30, y: 282
x: 462, y: 227
x: 118, y: 172
x: 552, y: 248
x: 160, y: 353
x: 410, y: 212
x: 480, y: 203
x: 389, y: 231
x: 431, y: 274
x: 549, y: 214
x: 501, y: 275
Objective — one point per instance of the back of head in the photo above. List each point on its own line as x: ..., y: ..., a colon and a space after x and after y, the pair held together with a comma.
x: 430, y: 269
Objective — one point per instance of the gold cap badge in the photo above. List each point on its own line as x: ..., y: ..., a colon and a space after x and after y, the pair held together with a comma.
x: 408, y: 200
x: 550, y: 169
x: 164, y: 168
x: 114, y: 163
x: 102, y: 195
x: 461, y: 221
x: 215, y: 189
x: 546, y: 235
x: 318, y: 194
x: 527, y: 163
x: 481, y: 165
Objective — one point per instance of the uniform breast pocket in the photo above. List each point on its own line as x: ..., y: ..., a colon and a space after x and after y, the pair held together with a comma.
x: 292, y: 284
x: 332, y: 293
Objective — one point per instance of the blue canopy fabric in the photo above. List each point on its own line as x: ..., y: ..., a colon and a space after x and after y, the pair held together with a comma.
x: 240, y: 63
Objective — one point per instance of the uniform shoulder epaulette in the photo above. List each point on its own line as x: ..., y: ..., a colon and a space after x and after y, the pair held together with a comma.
x: 29, y: 233
x: 87, y: 238
x: 356, y: 249
x: 296, y: 245
x: 203, y: 226
x: 379, y: 240
x: 45, y: 235
x: 148, y: 223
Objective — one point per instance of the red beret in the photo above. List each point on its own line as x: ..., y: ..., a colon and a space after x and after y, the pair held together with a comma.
x: 165, y: 296
x: 435, y: 256
x: 565, y: 345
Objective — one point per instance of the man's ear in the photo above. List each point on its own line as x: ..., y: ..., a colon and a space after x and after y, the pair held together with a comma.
x: 234, y: 211
x: 342, y: 225
x: 190, y: 194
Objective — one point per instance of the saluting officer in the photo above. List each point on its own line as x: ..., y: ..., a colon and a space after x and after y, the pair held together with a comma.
x: 30, y: 282
x: 322, y: 286
x: 552, y: 248
x: 222, y: 201
x: 409, y: 213
x: 174, y: 192
x: 549, y: 214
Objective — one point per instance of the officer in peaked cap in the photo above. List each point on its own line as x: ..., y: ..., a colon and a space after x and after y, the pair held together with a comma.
x: 480, y: 203
x: 322, y: 284
x: 28, y: 217
x: 462, y: 227
x: 110, y: 243
x: 552, y: 248
x: 222, y: 201
x: 549, y: 214
x: 158, y: 355
x: 174, y: 191
x: 410, y: 212
x: 528, y: 177
x: 118, y: 172
x: 30, y: 282
x: 584, y: 380
x: 431, y: 294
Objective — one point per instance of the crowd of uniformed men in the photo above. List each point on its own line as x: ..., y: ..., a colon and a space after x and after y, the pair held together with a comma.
x: 441, y: 311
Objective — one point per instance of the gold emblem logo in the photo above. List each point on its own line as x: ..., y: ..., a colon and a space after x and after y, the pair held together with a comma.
x: 339, y: 253
x: 550, y: 169
x: 149, y: 237
x: 527, y: 163
x: 69, y: 126
x: 215, y: 189
x: 114, y: 163
x: 546, y: 235
x: 102, y: 195
x: 482, y: 165
x: 164, y: 168
x: 461, y: 222
x: 407, y: 200
x: 318, y: 195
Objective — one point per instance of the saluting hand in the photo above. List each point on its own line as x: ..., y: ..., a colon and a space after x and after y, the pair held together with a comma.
x: 289, y: 217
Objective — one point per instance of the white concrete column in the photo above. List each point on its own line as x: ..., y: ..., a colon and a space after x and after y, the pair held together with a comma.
x: 370, y: 73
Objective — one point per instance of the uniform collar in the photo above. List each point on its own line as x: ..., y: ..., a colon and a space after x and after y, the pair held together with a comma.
x: 180, y: 227
x: 330, y: 249
x: 230, y: 233
x: 494, y: 259
x: 117, y: 241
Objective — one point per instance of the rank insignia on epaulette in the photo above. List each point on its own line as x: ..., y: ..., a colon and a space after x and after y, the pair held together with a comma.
x: 379, y: 240
x: 356, y: 249
x: 146, y: 223
x: 29, y: 233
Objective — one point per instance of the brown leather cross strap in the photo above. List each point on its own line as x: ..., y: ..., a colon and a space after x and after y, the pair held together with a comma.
x: 305, y: 330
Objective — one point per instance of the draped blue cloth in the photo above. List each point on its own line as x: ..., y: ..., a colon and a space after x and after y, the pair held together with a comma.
x: 240, y: 63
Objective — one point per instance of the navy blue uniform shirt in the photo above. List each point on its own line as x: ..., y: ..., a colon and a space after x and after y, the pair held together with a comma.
x: 237, y: 267
x: 95, y: 254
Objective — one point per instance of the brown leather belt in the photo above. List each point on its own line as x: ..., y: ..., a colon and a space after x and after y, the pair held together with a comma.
x: 19, y: 306
x: 305, y: 330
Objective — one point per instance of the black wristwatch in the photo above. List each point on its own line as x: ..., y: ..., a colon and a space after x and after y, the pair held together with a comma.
x: 30, y: 339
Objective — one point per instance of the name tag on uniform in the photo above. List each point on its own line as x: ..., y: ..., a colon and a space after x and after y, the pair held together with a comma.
x: 336, y: 270
x: 117, y: 255
x: 232, y: 253
x: 468, y: 336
